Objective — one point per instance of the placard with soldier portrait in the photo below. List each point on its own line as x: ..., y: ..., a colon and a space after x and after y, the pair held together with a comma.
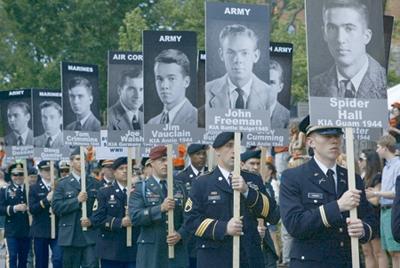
x: 280, y: 82
x: 16, y: 115
x: 81, y: 94
x: 48, y: 128
x: 237, y: 94
x: 346, y: 63
x: 170, y: 112
x: 125, y: 98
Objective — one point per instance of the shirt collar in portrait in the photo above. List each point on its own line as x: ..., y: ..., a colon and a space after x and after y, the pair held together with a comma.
x: 355, y: 80
x: 225, y: 173
x: 54, y: 137
x: 129, y: 113
x: 48, y: 185
x: 325, y: 168
x: 272, y: 108
x: 85, y: 118
x: 172, y: 113
x: 233, y: 93
x: 196, y: 172
x: 76, y: 176
x: 24, y: 136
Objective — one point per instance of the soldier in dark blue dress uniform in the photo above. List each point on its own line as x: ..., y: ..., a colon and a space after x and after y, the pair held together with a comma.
x: 198, y: 159
x: 13, y: 205
x: 106, y: 171
x: 110, y: 215
x: 78, y: 245
x: 40, y: 196
x: 315, y: 202
x: 148, y: 207
x: 250, y: 161
x: 209, y: 211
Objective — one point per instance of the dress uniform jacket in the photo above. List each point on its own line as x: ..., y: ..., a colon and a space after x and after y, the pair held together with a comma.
x: 17, y: 223
x: 210, y: 207
x: 67, y: 207
x: 145, y: 211
x: 274, y: 217
x: 39, y: 207
x: 108, y: 214
x: 396, y: 212
x: 310, y: 213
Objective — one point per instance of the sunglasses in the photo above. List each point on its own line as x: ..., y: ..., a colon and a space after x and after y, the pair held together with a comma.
x: 361, y: 159
x: 64, y: 170
x: 18, y: 174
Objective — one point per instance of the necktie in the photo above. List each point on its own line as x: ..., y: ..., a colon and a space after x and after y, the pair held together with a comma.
x: 331, y: 179
x: 20, y: 141
x: 347, y: 87
x: 78, y: 125
x: 163, y: 184
x: 230, y: 178
x: 164, y: 118
x: 48, y: 142
x: 135, y: 123
x: 239, y: 101
x: 124, y: 190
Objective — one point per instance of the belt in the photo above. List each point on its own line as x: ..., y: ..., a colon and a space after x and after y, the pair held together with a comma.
x: 386, y: 206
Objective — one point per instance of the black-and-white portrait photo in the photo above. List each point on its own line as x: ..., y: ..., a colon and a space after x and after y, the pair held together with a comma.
x: 126, y: 112
x: 170, y: 78
x: 280, y: 74
x: 48, y: 118
x: 16, y: 111
x: 235, y: 53
x: 345, y: 49
x: 80, y: 97
x: 201, y: 83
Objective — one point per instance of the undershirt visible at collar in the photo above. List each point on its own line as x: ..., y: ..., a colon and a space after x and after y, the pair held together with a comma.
x: 355, y: 80
x: 225, y: 173
x: 233, y: 94
x: 196, y: 171
x: 172, y: 113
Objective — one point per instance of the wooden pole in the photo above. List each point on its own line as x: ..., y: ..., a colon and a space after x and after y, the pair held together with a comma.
x: 236, y: 202
x: 355, y: 254
x: 261, y: 224
x: 128, y: 191
x: 52, y: 216
x: 170, y: 183
x: 83, y: 183
x: 263, y: 167
x: 26, y: 184
x: 210, y: 158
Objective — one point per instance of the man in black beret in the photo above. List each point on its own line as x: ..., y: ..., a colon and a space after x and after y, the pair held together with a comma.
x: 148, y: 207
x: 13, y: 205
x: 198, y: 159
x: 78, y: 245
x: 315, y: 202
x: 110, y: 215
x: 40, y: 196
x: 209, y: 211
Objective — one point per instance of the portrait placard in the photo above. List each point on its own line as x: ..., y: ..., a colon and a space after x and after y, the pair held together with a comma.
x: 346, y: 55
x: 125, y: 98
x: 104, y: 151
x: 280, y: 81
x: 48, y: 128
x: 388, y: 22
x: 237, y: 96
x: 170, y: 82
x: 81, y: 95
x: 16, y: 115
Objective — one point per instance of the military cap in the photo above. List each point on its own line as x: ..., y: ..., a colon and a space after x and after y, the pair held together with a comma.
x: 223, y: 138
x: 194, y: 148
x: 44, y: 164
x: 32, y: 171
x: 105, y: 163
x: 16, y: 167
x: 75, y: 151
x: 143, y: 162
x: 250, y: 154
x: 306, y: 128
x: 157, y: 152
x: 119, y: 162
x: 63, y: 164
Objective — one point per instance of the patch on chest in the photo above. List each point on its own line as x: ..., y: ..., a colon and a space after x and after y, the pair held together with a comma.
x: 214, y: 195
x: 315, y: 195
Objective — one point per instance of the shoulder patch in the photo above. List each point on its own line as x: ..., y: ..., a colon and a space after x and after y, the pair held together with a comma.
x: 188, y: 205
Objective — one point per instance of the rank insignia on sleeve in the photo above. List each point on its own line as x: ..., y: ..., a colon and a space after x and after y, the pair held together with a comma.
x: 95, y: 205
x: 188, y: 205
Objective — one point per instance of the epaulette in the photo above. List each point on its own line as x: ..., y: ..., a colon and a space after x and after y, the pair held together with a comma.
x: 4, y: 186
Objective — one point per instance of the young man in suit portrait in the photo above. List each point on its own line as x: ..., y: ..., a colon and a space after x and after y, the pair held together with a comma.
x: 239, y: 88
x: 355, y: 73
x: 279, y: 114
x: 125, y: 113
x: 81, y: 97
x: 172, y: 75
x: 18, y: 115
x: 51, y: 116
